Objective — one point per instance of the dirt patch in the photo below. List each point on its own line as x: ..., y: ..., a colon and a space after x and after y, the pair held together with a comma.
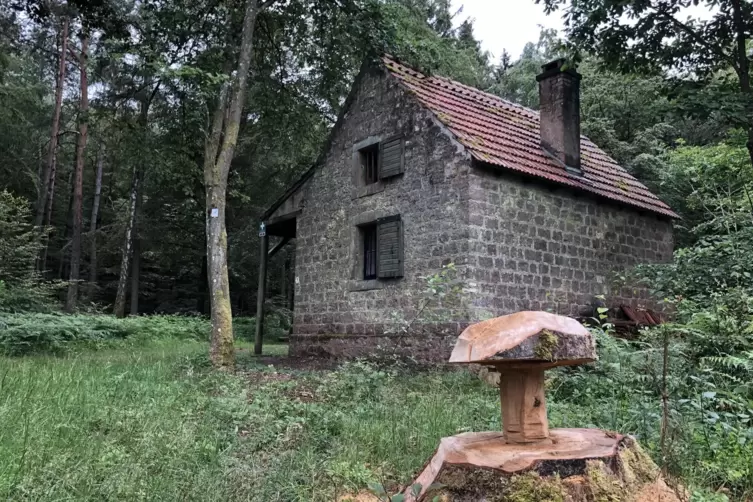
x: 657, y: 492
x: 298, y: 363
x: 359, y: 497
x: 302, y: 389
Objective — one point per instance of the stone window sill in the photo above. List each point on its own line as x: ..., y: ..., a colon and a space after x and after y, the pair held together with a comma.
x: 358, y: 285
x: 364, y: 191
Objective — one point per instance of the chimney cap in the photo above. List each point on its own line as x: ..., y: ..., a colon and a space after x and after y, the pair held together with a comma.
x: 555, y: 67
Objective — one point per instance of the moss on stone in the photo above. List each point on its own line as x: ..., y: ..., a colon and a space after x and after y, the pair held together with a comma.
x: 531, y: 486
x: 603, y: 485
x: 620, y: 479
x: 546, y: 345
x: 636, y: 464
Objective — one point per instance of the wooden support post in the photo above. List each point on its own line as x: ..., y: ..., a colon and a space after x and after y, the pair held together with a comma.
x: 261, y: 294
x: 523, y: 405
x: 288, y: 282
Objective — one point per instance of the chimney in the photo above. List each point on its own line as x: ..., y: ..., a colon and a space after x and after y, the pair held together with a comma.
x: 559, y: 95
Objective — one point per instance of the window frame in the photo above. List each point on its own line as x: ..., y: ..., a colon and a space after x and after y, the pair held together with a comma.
x: 359, y: 186
x: 370, y: 159
x: 370, y: 251
x: 360, y: 222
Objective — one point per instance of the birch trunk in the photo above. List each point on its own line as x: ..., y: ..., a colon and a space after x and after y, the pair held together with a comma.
x: 218, y: 154
x: 48, y: 170
x: 127, y: 250
x: 93, y: 222
x: 78, y: 183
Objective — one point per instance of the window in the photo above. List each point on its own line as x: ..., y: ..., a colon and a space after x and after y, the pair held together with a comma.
x: 380, y: 249
x: 370, y: 164
x: 369, y: 252
x: 375, y: 160
x: 389, y: 247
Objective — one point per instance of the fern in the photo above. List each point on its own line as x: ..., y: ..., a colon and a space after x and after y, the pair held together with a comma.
x: 742, y: 363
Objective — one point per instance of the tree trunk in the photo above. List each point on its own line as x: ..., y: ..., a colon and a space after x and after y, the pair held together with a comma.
x: 47, y: 172
x: 217, y: 158
x: 65, y: 249
x: 93, y: 223
x: 50, y: 199
x: 78, y: 185
x: 133, y: 206
x: 743, y: 68
x: 285, y: 273
x: 127, y: 250
x: 136, y: 267
x: 47, y: 177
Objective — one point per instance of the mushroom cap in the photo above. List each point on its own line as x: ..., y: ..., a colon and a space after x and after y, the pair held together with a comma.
x: 525, y: 338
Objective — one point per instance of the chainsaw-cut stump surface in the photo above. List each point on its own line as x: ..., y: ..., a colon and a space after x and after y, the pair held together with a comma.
x: 525, y: 338
x: 573, y: 465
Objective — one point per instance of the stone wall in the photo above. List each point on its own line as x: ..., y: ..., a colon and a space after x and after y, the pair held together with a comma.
x: 535, y: 247
x: 431, y: 198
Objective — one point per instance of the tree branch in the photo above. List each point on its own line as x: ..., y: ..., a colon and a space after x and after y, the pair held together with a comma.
x: 698, y: 38
x: 235, y: 104
x: 72, y: 53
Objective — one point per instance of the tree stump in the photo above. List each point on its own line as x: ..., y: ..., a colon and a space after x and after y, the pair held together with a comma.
x: 527, y: 461
x: 578, y: 465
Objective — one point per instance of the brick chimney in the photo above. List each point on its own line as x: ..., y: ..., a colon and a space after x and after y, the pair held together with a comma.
x: 559, y: 95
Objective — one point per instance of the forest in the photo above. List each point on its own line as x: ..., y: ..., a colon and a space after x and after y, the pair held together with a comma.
x: 124, y: 124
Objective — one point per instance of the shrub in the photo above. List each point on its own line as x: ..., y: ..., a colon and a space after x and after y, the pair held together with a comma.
x: 33, y: 333
x: 277, y: 323
x: 28, y: 296
x: 19, y: 245
x: 709, y: 439
x: 20, y: 287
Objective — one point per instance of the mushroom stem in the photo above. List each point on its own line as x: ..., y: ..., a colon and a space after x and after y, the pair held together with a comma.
x: 523, y: 405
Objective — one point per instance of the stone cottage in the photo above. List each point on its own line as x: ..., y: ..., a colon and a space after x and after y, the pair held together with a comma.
x: 421, y: 171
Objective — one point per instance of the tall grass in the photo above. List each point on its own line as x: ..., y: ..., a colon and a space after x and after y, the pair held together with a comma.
x: 122, y: 424
x: 153, y: 421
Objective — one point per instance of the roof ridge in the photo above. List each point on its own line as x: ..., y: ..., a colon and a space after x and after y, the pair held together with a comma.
x: 489, y: 95
x: 474, y: 90
x: 517, y: 107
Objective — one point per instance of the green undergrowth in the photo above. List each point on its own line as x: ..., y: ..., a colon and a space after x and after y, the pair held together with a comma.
x: 27, y: 333
x: 152, y: 420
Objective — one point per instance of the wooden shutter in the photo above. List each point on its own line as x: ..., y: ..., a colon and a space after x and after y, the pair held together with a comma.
x: 390, y: 247
x: 391, y: 157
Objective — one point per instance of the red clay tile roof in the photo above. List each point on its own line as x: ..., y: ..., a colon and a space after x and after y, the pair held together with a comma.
x: 505, y: 134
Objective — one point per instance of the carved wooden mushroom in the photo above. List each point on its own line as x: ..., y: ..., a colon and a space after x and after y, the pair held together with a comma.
x: 521, y: 347
x: 577, y: 464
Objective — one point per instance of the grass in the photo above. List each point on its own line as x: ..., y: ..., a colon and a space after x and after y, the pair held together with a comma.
x: 151, y: 420
x: 114, y: 424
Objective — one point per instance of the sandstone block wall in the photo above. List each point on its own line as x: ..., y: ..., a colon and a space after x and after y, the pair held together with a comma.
x: 431, y: 198
x: 535, y: 247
